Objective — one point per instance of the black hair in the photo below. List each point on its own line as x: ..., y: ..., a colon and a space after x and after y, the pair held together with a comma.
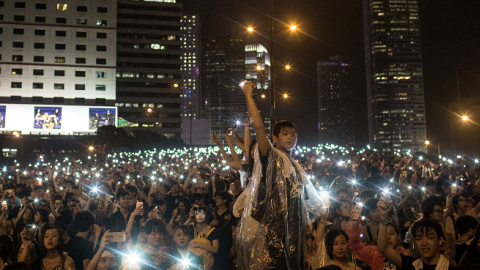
x: 370, y: 205
x: 162, y: 202
x: 37, y: 188
x: 6, y: 247
x: 464, y: 223
x: 330, y: 239
x: 17, y: 266
x: 130, y: 188
x: 43, y: 250
x: 208, y: 214
x: 340, y: 190
x: 336, y: 206
x: 110, y: 223
x: 251, y: 158
x: 367, y: 193
x: 430, y: 182
x: 197, y: 197
x: 456, y: 198
x: 224, y: 195
x: 83, y: 221
x: 429, y: 204
x: 424, y: 226
x: 31, y: 218
x: 155, y: 225
x: 121, y: 193
x: 185, y: 229
x: 104, y: 184
x: 472, y: 248
x: 281, y: 125
x: 329, y: 267
x: 43, y: 213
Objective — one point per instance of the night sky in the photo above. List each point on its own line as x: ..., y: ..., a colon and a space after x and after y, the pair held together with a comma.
x: 450, y: 43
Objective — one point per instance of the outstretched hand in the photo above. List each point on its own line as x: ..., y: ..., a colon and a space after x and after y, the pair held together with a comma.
x: 247, y: 88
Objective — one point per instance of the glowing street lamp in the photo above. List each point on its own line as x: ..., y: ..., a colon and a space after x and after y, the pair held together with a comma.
x: 464, y: 118
x: 263, y: 96
x: 287, y: 67
x: 90, y: 148
x: 250, y: 29
x: 427, y: 142
x: 285, y: 96
x: 259, y: 68
x: 293, y: 27
x: 175, y: 85
x: 149, y: 110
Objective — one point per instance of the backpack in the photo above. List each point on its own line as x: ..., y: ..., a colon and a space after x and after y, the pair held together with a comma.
x: 207, y: 257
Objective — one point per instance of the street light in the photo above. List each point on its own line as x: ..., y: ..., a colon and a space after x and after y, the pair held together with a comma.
x: 464, y: 118
x: 250, y: 29
x: 149, y: 110
x: 293, y: 27
x: 263, y: 96
x: 90, y: 148
x: 427, y: 142
x: 285, y: 96
x: 287, y: 67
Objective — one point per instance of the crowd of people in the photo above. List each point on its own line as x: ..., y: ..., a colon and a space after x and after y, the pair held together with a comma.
x: 196, y: 209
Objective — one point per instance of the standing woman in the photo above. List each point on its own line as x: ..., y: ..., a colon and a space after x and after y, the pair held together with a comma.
x: 24, y: 218
x: 204, y: 241
x: 41, y: 219
x: 52, y: 256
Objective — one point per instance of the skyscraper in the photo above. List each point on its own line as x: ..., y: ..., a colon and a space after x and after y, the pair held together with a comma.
x: 336, y: 118
x: 257, y: 68
x: 57, y: 64
x: 149, y: 61
x: 223, y: 69
x: 191, y: 49
x: 395, y: 93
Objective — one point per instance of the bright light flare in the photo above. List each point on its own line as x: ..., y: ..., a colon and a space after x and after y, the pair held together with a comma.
x: 464, y: 118
x: 285, y: 95
x: 287, y: 67
x: 293, y: 27
x: 250, y: 29
x: 90, y: 148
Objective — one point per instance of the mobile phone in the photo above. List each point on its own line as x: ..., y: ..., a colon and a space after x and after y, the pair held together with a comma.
x: 195, y: 208
x: 118, y: 237
x: 356, y: 211
x: 230, y: 132
x: 139, y: 204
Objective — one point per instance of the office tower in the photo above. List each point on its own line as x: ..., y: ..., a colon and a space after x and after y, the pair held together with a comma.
x: 57, y: 64
x: 395, y: 92
x: 336, y: 117
x: 257, y: 68
x: 223, y: 69
x: 148, y: 65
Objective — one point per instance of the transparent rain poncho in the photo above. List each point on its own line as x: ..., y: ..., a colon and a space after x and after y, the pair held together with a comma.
x: 276, y: 214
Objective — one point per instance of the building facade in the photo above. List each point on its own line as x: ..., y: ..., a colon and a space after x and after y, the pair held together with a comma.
x: 336, y: 119
x: 149, y: 51
x: 257, y: 68
x: 57, y: 64
x: 223, y: 69
x: 395, y: 91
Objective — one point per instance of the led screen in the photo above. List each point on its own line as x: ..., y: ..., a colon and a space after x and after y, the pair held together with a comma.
x: 48, y: 118
x: 3, y: 109
x: 99, y: 117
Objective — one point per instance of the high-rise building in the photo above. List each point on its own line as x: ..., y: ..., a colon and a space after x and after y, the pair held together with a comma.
x: 257, y: 68
x: 395, y: 92
x: 336, y: 119
x: 57, y: 64
x: 149, y: 93
x: 191, y: 50
x: 223, y: 69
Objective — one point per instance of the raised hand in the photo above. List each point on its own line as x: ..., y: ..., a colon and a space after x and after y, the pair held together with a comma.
x: 247, y: 88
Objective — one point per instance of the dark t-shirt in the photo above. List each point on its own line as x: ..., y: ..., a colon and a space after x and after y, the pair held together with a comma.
x: 460, y: 249
x: 212, y: 236
x: 407, y: 264
x: 79, y: 249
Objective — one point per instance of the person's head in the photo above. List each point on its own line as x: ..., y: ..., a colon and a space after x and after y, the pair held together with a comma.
x: 41, y: 215
x: 237, y: 183
x: 393, y: 235
x: 162, y: 206
x: 102, y: 188
x: 6, y: 247
x: 181, y: 236
x: 428, y: 237
x: 155, y: 231
x: 122, y: 198
x: 371, y: 210
x: 38, y: 190
x: 153, y: 212
x: 285, y: 135
x: 342, y: 208
x: 28, y: 214
x: 430, y: 186
x: 367, y: 195
x: 221, y: 198
x: 84, y: 221
x: 432, y: 208
x: 52, y: 240
x: 198, y: 199
x: 447, y: 187
x: 201, y: 216
x: 336, y: 243
x: 174, y: 188
x: 460, y: 202
x: 183, y: 205
x: 106, y: 261
x: 132, y: 192
x: 466, y: 225
x: 341, y: 193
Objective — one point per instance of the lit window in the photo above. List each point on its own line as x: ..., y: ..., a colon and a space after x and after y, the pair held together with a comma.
x: 59, y: 59
x: 171, y: 37
x: 61, y: 7
x: 157, y: 47
x: 100, y: 74
x: 102, y: 22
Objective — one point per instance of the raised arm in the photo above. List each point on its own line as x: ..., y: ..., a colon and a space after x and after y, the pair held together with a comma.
x: 263, y: 144
x: 235, y: 157
x: 247, y: 141
x: 382, y: 238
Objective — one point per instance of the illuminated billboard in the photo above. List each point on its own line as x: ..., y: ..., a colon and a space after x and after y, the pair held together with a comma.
x: 3, y: 110
x: 48, y: 118
x: 100, y: 117
x: 38, y: 119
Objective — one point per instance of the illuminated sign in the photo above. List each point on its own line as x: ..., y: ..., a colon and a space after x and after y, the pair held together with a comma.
x: 48, y: 118
x: 3, y: 110
x: 99, y: 117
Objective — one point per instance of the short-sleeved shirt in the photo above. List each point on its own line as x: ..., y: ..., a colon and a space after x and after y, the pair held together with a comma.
x: 407, y: 264
x: 79, y: 250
